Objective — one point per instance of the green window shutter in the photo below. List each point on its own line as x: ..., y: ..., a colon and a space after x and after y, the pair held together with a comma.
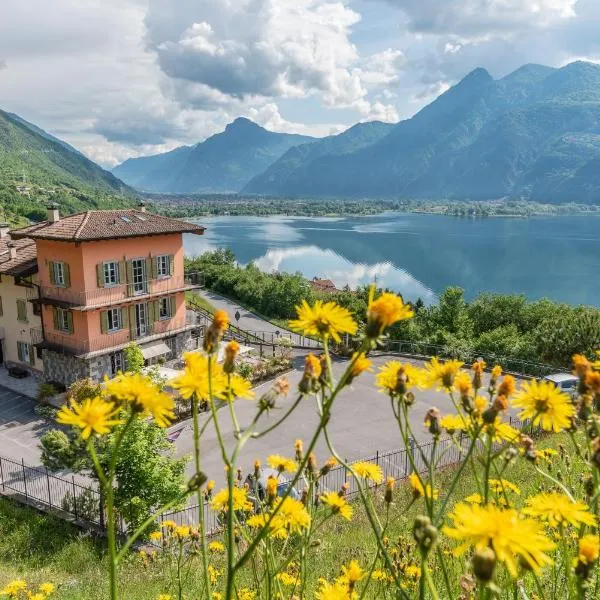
x: 31, y: 355
x: 129, y: 271
x: 132, y: 321
x: 21, y: 310
x: 55, y: 318
x: 151, y: 312
x: 100, y: 274
x: 104, y: 321
x: 149, y: 271
x: 123, y: 271
x: 154, y: 267
x: 67, y: 273
x: 171, y: 304
x: 51, y: 273
x: 70, y: 321
x: 124, y: 318
x: 171, y: 264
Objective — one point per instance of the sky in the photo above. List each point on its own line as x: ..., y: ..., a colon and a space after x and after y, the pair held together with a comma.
x: 125, y: 78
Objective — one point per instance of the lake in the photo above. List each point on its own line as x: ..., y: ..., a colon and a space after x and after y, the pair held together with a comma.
x: 420, y: 255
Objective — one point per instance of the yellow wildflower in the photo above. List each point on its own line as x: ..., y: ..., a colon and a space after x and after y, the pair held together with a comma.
x: 509, y: 535
x: 396, y: 377
x: 155, y: 536
x: 369, y: 471
x: 292, y: 515
x: 502, y: 486
x: 220, y: 320
x: 496, y: 372
x: 169, y: 525
x: 47, y: 588
x: 332, y: 591
x: 93, y: 415
x: 507, y: 387
x: 474, y: 499
x: 246, y: 594
x: 463, y: 384
x: 418, y: 490
x: 581, y: 365
x: 351, y: 574
x: 220, y: 501
x: 452, y: 423
x: 217, y: 547
x: 338, y: 505
x: 589, y: 548
x: 282, y: 463
x: 384, y: 312
x: 361, y: 364
x: 194, y: 379
x: 379, y: 575
x: 164, y: 597
x: 13, y: 588
x: 440, y: 375
x: 412, y: 571
x: 323, y: 319
x: 213, y: 574
x: 287, y: 579
x: 558, y: 509
x: 545, y: 405
x: 238, y: 387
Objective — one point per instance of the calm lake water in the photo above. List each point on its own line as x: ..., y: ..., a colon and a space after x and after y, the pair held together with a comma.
x: 420, y: 255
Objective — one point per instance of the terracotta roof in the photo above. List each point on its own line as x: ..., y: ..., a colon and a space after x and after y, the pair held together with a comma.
x: 105, y: 225
x: 322, y: 285
x: 26, y: 261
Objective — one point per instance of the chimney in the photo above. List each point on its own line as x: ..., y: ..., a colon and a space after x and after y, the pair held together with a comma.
x: 4, y: 229
x: 53, y: 214
x: 141, y: 206
x: 12, y: 250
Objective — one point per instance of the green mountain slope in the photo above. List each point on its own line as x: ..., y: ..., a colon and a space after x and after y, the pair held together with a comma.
x: 535, y: 134
x: 36, y: 167
x: 224, y: 162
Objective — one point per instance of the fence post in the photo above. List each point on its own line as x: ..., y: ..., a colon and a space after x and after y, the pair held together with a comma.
x: 74, y: 497
x: 1, y: 473
x: 24, y: 478
x: 48, y: 484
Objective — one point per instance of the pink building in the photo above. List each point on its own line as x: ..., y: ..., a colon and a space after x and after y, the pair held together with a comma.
x: 107, y: 278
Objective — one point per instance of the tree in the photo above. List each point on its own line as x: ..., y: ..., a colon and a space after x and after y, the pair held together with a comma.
x: 134, y: 359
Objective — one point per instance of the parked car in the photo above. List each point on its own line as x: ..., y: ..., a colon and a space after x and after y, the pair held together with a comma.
x: 566, y: 382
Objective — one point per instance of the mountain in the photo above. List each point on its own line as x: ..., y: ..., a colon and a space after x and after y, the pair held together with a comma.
x: 534, y: 134
x: 36, y: 167
x: 224, y: 162
x: 291, y: 166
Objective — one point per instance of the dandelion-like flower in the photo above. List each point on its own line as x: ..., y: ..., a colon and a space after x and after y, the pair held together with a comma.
x: 195, y: 380
x: 94, y: 415
x: 220, y: 502
x: 338, y: 505
x: 463, y: 384
x: 13, y: 588
x: 545, y: 404
x: 502, y: 486
x: 238, y: 387
x: 332, y: 591
x: 369, y: 471
x: 384, y: 312
x: 589, y: 549
x: 323, y: 319
x: 419, y: 490
x: 509, y: 535
x: 558, y: 509
x: 361, y: 364
x: 282, y: 463
x: 396, y: 377
x: 217, y: 547
x: 453, y: 423
x: 441, y: 375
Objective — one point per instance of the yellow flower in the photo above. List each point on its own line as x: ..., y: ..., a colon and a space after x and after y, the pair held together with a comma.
x: 463, y: 384
x: 589, y: 548
x: 379, y: 575
x: 220, y: 320
x: 452, y: 423
x: 286, y: 578
x: 292, y: 515
x: 441, y: 375
x: 220, y: 501
x: 558, y: 509
x: 474, y: 499
x: 183, y: 531
x: 213, y: 574
x: 217, y: 547
x: 13, y: 588
x: 332, y: 591
x: 323, y: 319
x: 581, y: 365
x: 169, y: 525
x: 369, y: 471
x: 480, y: 404
x: 361, y: 364
x: 502, y: 432
x: 47, y: 588
x: 231, y: 351
x: 507, y: 387
x: 352, y: 574
x: 238, y: 387
x: 155, y: 536
x: 195, y: 380
x: 338, y: 505
x: 246, y: 594
x: 164, y: 597
x: 496, y: 372
x: 93, y: 415
x: 545, y: 404
x: 418, y: 489
x: 413, y: 571
x: 282, y: 463
x: 510, y: 536
x: 501, y: 486
x: 396, y: 377
x: 385, y: 311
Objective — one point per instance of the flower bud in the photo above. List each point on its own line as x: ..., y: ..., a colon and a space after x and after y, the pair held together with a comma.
x: 271, y: 490
x: 328, y: 466
x: 310, y: 379
x: 214, y: 333
x: 196, y: 481
x: 484, y: 564
x: 425, y: 534
x: 231, y: 351
x: 298, y: 446
x: 257, y: 469
x: 490, y: 415
x: 432, y: 421
x: 389, y: 489
x: 478, y: 368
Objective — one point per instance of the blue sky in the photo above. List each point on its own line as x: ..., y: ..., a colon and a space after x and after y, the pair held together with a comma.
x: 122, y: 78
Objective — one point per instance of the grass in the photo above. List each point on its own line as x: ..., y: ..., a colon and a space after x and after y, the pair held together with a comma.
x: 196, y: 299
x: 40, y: 548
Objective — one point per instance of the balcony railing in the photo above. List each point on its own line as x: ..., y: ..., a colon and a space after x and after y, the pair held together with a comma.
x: 108, y: 295
x: 72, y: 344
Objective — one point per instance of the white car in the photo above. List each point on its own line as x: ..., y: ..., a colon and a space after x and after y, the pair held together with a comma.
x: 566, y: 382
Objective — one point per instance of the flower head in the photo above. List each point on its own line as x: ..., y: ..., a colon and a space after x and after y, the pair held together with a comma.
x: 220, y: 502
x: 509, y: 535
x: 282, y: 463
x: 452, y: 423
x: 581, y: 365
x: 441, y: 375
x: 463, y: 384
x: 589, y: 549
x: 361, y: 364
x: 502, y: 486
x: 420, y: 491
x: 217, y: 547
x: 369, y: 471
x: 558, y: 509
x: 13, y: 588
x: 47, y: 588
x: 545, y: 404
x: 238, y: 387
x: 93, y: 415
x: 195, y: 378
x: 396, y: 377
x: 338, y: 505
x: 507, y: 387
x: 323, y: 319
x: 332, y: 591
x: 385, y: 311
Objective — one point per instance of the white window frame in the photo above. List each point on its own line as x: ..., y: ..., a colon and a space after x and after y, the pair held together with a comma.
x: 59, y: 274
x: 114, y: 316
x: 24, y: 352
x: 63, y: 320
x: 162, y: 266
x: 166, y: 316
x: 107, y: 266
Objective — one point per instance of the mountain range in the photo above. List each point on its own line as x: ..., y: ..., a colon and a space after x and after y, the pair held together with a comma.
x: 534, y: 134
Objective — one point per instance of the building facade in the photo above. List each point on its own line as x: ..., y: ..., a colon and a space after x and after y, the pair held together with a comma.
x: 19, y: 318
x: 105, y: 279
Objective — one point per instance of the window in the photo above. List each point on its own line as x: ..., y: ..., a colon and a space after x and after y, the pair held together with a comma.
x: 117, y: 363
x: 164, y: 309
x: 162, y: 266
x: 21, y: 310
x: 59, y: 274
x: 25, y: 353
x: 113, y: 319
x: 111, y: 273
x: 63, y: 320
x: 36, y: 308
